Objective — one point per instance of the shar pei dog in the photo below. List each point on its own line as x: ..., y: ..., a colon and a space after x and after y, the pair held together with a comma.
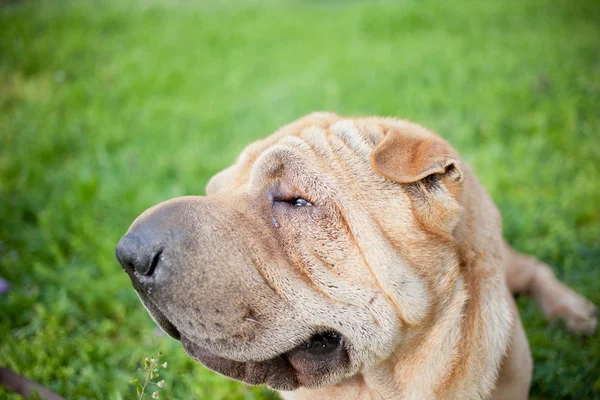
x: 346, y: 258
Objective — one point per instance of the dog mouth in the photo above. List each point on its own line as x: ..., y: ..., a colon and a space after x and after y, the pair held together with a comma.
x: 308, y: 364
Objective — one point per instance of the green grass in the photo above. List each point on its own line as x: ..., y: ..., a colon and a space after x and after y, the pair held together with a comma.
x: 109, y: 107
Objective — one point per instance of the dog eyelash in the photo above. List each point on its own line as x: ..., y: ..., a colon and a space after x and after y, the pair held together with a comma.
x: 300, y: 202
x: 295, y: 201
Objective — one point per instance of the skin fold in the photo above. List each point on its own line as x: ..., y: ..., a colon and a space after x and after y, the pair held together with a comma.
x: 346, y: 258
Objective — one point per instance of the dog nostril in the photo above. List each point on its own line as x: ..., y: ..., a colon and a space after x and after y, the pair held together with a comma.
x: 154, y: 263
x: 136, y: 255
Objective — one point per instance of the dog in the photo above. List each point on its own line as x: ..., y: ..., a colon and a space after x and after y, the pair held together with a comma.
x: 346, y: 258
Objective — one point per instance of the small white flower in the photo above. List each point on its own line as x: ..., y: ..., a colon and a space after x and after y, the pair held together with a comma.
x: 164, y: 365
x: 160, y: 383
x: 155, y: 395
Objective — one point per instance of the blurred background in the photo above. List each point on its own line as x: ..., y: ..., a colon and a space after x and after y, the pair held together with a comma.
x: 108, y: 107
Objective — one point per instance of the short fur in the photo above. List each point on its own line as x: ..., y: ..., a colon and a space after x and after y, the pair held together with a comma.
x: 401, y: 252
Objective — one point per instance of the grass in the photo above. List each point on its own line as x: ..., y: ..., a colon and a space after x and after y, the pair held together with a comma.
x: 109, y: 107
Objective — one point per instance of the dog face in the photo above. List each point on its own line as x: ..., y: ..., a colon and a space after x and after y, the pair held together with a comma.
x: 324, y: 249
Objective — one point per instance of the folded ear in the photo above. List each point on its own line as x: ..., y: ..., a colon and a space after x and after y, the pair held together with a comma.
x: 406, y: 157
x: 431, y: 167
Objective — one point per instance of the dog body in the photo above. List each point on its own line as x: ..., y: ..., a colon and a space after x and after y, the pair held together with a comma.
x: 346, y: 258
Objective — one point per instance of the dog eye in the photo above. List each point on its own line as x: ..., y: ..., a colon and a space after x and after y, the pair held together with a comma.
x: 300, y: 202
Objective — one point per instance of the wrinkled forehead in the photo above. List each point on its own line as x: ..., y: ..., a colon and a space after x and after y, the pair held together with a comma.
x: 319, y: 138
x: 326, y: 142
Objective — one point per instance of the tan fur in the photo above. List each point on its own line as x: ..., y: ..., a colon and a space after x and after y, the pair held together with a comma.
x: 401, y: 252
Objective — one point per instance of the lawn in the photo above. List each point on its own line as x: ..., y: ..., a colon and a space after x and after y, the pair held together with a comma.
x: 108, y: 107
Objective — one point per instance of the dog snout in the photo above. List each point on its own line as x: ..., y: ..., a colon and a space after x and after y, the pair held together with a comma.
x: 137, y: 255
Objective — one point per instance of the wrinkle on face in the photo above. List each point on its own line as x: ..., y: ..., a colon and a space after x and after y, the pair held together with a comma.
x: 329, y: 164
x: 360, y: 261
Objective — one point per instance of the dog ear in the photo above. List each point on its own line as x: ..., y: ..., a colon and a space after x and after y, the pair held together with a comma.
x: 431, y: 169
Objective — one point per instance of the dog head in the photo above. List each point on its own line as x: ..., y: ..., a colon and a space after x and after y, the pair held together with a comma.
x: 323, y: 250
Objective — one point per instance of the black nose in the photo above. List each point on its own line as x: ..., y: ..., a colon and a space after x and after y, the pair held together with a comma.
x: 135, y: 253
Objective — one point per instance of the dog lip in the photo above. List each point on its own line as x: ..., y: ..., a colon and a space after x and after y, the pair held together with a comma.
x: 305, y: 346
x: 276, y: 372
x: 320, y: 345
x: 298, y: 366
x: 157, y: 315
x: 169, y: 329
